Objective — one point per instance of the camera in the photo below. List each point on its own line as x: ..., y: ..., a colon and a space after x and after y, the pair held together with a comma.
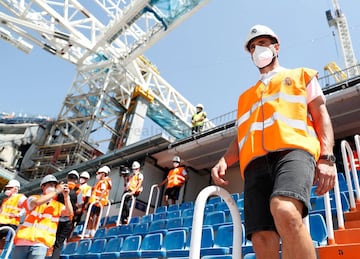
x: 124, y: 171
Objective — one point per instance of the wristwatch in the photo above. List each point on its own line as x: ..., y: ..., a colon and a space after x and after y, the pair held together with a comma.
x: 330, y: 158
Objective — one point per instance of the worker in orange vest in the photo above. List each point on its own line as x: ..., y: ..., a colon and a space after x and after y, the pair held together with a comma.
x: 66, y: 224
x: 133, y: 185
x: 284, y: 144
x: 12, y: 207
x: 100, y: 198
x: 175, y: 179
x: 38, y: 232
x: 83, y: 196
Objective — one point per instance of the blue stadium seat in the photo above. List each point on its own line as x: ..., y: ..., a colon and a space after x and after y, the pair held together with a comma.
x: 235, y: 196
x: 160, y: 215
x: 250, y: 256
x: 151, y: 246
x: 69, y: 249
x: 222, y: 243
x: 318, y: 229
x: 161, y: 209
x: 147, y: 218
x: 112, y: 249
x: 131, y: 247
x: 112, y: 220
x: 173, y: 207
x: 187, y: 221
x: 214, y: 200
x: 112, y: 232
x: 97, y: 247
x: 215, y: 219
x: 174, y: 214
x: 174, y: 243
x: 82, y: 249
x: 100, y: 233
x: 187, y: 205
x: 77, y: 230
x: 135, y: 220
x: 141, y: 229
x: 174, y: 223
x: 158, y: 226
x: 217, y: 257
x: 209, y: 208
x: 319, y: 206
x: 126, y: 230
x: 187, y: 212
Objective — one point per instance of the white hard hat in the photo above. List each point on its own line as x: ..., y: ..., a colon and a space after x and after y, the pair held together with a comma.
x: 257, y: 31
x: 105, y: 169
x: 135, y: 165
x: 85, y: 174
x: 47, y: 179
x: 176, y: 159
x: 199, y: 105
x: 74, y: 172
x: 13, y: 183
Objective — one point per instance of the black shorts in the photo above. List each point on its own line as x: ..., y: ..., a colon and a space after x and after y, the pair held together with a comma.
x: 287, y: 173
x: 173, y: 192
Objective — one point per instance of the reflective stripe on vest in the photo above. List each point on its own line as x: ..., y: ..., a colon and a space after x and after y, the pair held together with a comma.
x: 101, y: 195
x: 10, y: 210
x: 175, y: 177
x: 41, y: 224
x: 274, y: 117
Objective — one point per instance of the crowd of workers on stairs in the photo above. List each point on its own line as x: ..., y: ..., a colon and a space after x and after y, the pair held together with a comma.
x: 43, y: 223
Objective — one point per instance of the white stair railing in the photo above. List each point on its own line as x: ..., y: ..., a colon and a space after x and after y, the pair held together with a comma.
x: 150, y: 198
x: 133, y: 201
x: 198, y: 218
x: 11, y: 241
x: 88, y: 216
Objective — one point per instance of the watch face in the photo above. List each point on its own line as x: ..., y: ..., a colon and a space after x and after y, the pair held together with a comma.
x: 332, y: 158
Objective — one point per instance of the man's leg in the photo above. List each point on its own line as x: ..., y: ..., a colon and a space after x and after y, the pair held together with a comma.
x: 296, y: 239
x: 62, y: 233
x: 266, y: 244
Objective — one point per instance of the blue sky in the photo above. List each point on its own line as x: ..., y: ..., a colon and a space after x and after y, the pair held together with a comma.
x: 203, y: 58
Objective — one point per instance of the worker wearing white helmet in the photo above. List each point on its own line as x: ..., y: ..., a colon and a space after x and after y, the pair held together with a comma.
x: 284, y: 143
x: 133, y: 186
x: 83, y: 195
x: 198, y: 119
x: 12, y: 207
x: 99, y: 198
x: 38, y: 232
x: 175, y: 179
x: 66, y: 223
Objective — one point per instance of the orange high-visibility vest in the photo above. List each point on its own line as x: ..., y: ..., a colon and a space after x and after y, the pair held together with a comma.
x: 10, y: 209
x: 84, y: 190
x: 101, y: 195
x: 41, y: 223
x: 275, y: 117
x: 176, y: 177
x: 133, y: 183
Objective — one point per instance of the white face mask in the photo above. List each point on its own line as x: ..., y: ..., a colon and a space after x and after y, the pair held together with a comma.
x: 49, y: 190
x: 82, y: 180
x: 263, y: 56
x: 98, y: 176
x: 8, y: 193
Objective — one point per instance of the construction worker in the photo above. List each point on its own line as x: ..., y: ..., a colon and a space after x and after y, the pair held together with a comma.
x: 100, y: 198
x: 66, y: 224
x: 198, y: 119
x: 284, y: 144
x: 12, y: 207
x: 133, y: 186
x: 175, y: 179
x: 38, y: 232
x: 83, y: 196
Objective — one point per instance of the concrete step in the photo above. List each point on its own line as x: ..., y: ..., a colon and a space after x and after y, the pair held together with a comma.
x: 352, y: 215
x: 340, y: 251
x: 347, y: 236
x: 352, y: 224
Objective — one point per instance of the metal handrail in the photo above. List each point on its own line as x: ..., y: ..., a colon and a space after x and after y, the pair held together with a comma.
x: 122, y: 207
x: 198, y: 218
x: 88, y: 216
x: 346, y: 149
x: 11, y: 241
x: 150, y: 198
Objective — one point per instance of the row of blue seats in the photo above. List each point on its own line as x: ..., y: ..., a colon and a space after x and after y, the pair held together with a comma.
x: 172, y: 243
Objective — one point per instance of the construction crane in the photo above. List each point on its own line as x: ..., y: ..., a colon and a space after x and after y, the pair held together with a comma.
x: 339, y: 21
x: 115, y: 87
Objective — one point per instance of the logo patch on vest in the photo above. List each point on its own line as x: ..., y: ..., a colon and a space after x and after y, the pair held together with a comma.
x: 287, y: 81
